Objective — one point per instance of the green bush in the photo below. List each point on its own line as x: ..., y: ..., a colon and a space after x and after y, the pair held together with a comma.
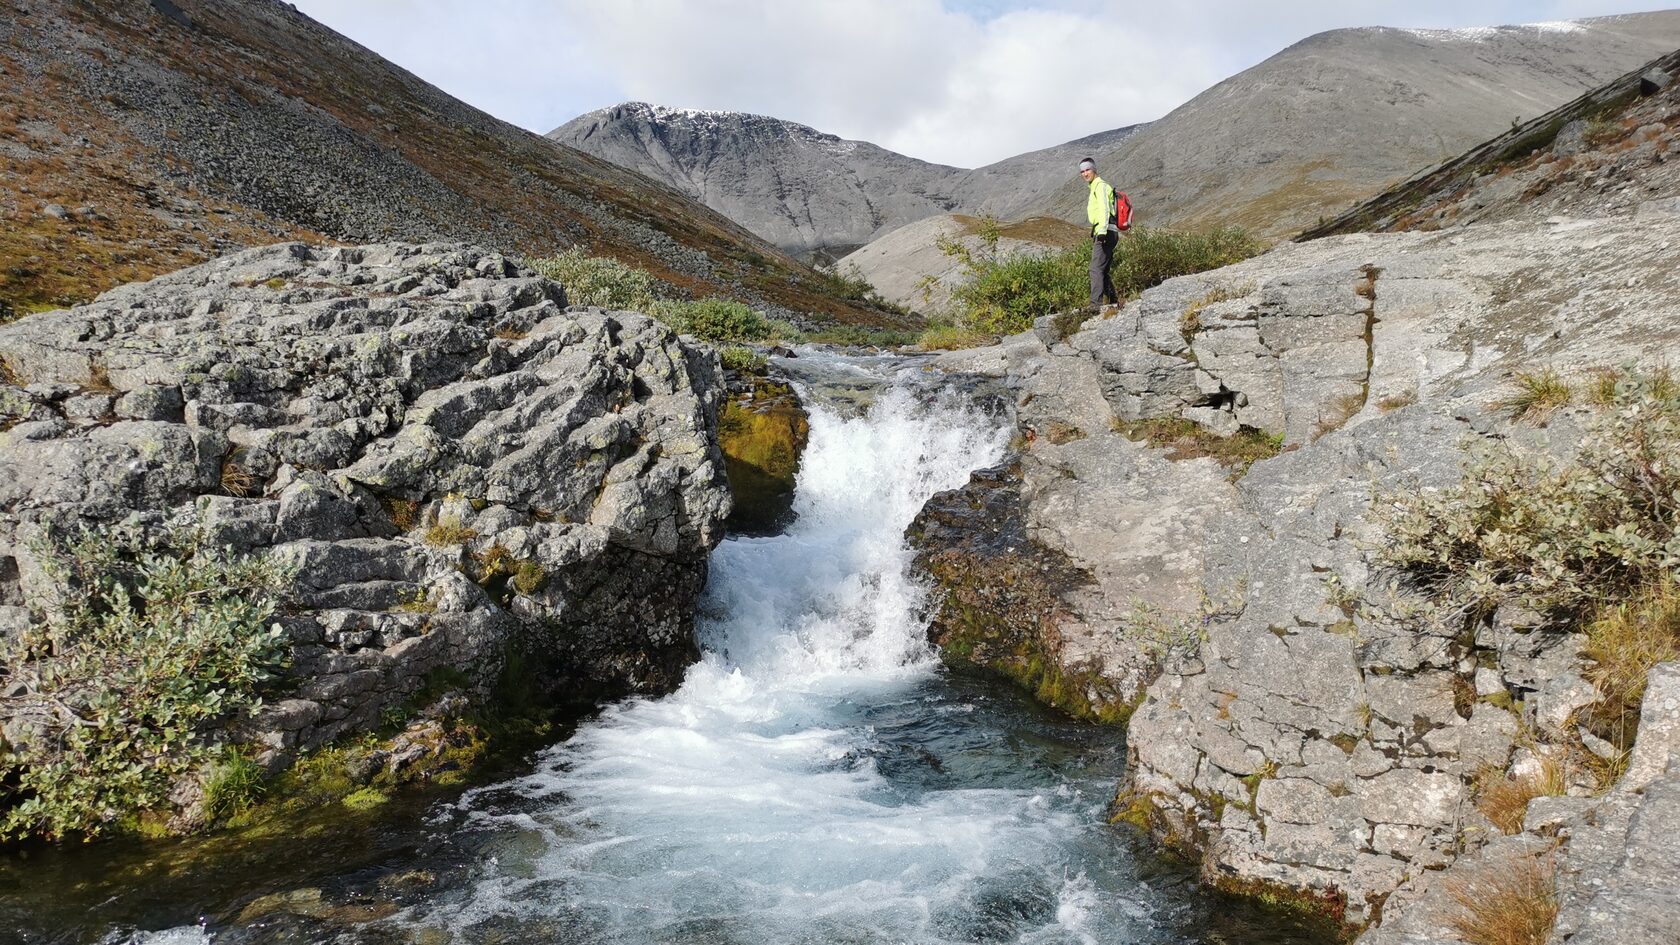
x: 947, y: 337
x: 1004, y: 296
x: 608, y: 283
x: 598, y: 280
x: 860, y: 336
x: 1562, y: 539
x: 717, y: 320
x: 155, y: 639
x: 744, y: 360
x: 1147, y: 257
x: 849, y: 284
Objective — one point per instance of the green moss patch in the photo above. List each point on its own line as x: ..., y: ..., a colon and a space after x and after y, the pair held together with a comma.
x: 762, y: 441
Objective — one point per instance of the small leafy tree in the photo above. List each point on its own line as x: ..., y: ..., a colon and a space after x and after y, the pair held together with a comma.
x: 155, y: 639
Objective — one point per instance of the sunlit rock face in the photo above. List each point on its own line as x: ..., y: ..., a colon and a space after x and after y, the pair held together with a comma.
x: 1297, y: 729
x: 455, y: 462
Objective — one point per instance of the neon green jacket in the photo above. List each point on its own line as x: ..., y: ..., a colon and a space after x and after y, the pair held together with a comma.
x: 1098, y: 206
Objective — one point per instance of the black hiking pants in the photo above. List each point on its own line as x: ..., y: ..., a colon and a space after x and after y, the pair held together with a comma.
x: 1102, y: 254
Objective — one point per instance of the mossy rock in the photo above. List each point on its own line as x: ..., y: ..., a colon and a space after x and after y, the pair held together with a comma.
x: 1001, y: 595
x: 763, y: 439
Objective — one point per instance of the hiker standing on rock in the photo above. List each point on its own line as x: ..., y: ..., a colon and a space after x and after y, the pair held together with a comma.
x: 1105, y: 234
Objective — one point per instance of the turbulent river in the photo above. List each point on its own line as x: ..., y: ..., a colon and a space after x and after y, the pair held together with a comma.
x: 818, y: 778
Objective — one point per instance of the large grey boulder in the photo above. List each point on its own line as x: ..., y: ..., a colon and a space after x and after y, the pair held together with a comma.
x: 414, y: 426
x: 1299, y: 727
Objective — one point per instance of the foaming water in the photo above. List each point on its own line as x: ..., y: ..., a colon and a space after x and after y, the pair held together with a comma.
x: 817, y: 778
x: 762, y: 802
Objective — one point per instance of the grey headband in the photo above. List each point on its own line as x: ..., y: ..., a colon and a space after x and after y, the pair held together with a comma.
x: 1087, y: 166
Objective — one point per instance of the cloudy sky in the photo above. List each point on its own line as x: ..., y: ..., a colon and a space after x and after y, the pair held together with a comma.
x: 962, y: 82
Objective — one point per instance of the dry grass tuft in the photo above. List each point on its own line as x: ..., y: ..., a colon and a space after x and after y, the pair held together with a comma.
x: 1186, y: 439
x: 1338, y: 413
x: 99, y: 379
x: 1537, y: 396
x: 1601, y: 386
x: 237, y: 481
x: 1624, y: 641
x: 10, y: 375
x: 448, y: 532
x: 1504, y: 799
x: 405, y: 513
x: 1514, y: 904
x: 1396, y: 401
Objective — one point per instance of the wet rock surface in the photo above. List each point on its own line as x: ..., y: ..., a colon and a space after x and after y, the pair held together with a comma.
x: 458, y: 465
x: 1299, y: 731
x: 762, y: 431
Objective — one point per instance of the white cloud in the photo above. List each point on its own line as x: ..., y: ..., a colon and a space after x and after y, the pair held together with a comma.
x: 961, y: 81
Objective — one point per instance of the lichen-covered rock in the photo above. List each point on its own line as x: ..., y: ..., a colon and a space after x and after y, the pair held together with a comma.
x: 1319, y: 740
x: 455, y: 462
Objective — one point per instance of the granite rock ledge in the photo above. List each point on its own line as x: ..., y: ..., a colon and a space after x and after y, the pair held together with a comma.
x: 457, y: 463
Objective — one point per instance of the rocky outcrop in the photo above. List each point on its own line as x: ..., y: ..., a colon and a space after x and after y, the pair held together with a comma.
x: 1297, y: 729
x: 763, y: 431
x: 454, y: 461
x: 1609, y: 862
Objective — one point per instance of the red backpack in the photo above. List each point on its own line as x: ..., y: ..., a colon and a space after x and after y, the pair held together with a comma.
x: 1122, y: 215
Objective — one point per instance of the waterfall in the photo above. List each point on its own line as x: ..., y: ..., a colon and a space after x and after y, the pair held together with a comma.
x: 817, y: 778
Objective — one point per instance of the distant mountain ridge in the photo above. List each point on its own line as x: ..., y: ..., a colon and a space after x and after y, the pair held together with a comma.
x: 1341, y: 115
x: 797, y: 187
x: 139, y: 136
x: 1327, y: 122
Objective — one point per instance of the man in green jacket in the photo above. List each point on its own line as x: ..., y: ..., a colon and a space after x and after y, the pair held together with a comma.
x: 1099, y: 212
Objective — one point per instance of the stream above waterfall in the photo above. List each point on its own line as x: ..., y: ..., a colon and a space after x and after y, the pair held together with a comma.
x: 817, y: 778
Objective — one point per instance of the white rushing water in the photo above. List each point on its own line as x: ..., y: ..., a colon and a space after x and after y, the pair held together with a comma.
x: 816, y: 778
x: 754, y: 804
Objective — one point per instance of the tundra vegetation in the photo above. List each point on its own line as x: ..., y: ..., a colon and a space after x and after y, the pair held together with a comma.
x: 1590, y: 544
x: 151, y: 641
x: 611, y: 284
x: 1002, y: 296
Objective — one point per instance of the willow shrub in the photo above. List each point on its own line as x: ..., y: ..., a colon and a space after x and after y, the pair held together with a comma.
x: 154, y: 641
x: 1590, y: 542
x: 1003, y: 296
x: 1561, y: 538
x: 610, y: 284
x: 598, y: 280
